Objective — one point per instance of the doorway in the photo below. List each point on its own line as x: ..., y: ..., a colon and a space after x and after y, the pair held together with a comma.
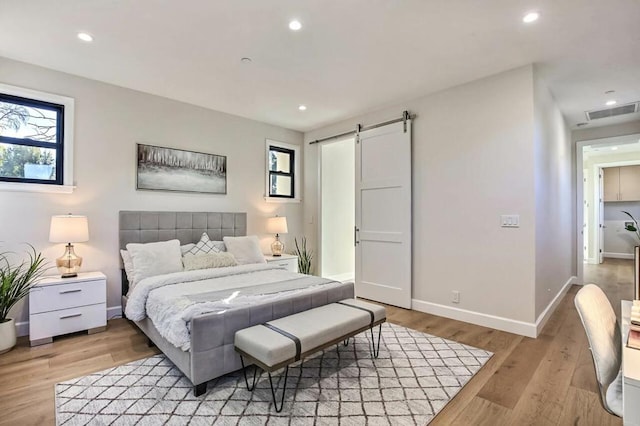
x: 607, y: 186
x: 337, y: 210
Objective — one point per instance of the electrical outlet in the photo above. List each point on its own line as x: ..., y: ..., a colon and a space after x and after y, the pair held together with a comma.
x: 456, y: 296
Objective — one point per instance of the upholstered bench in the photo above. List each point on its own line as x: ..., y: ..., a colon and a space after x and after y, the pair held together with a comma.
x: 278, y: 343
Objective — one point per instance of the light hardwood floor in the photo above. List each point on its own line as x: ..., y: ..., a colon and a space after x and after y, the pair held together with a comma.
x: 544, y: 381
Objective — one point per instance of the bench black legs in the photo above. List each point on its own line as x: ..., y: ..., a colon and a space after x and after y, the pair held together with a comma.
x: 284, y: 389
x: 244, y: 372
x: 375, y: 349
x: 273, y: 391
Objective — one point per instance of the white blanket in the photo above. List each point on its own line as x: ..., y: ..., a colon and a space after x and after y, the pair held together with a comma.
x: 172, y: 300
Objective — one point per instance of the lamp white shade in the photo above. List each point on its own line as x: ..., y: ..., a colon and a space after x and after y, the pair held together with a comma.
x: 277, y: 225
x: 69, y: 229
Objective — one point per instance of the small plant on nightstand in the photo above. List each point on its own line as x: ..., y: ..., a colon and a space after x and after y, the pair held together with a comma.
x: 15, y: 282
x: 304, y: 256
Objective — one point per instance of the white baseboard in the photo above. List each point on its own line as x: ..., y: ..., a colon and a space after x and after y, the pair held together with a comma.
x: 114, y: 312
x: 523, y: 328
x: 22, y: 328
x: 618, y: 255
x: 486, y: 320
x: 546, y: 314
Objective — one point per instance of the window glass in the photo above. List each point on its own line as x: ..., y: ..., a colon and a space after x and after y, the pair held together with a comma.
x: 281, y: 177
x: 281, y: 186
x: 31, y: 143
x: 27, y: 122
x: 280, y: 161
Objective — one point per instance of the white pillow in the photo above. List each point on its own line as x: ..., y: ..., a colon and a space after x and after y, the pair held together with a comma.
x: 209, y: 260
x: 128, y: 265
x: 245, y: 249
x: 204, y: 246
x: 154, y: 259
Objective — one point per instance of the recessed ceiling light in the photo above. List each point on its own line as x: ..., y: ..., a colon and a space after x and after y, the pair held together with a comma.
x: 85, y: 37
x: 530, y: 17
x: 302, y: 107
x: 611, y: 103
x: 614, y: 148
x: 245, y: 60
x: 295, y: 25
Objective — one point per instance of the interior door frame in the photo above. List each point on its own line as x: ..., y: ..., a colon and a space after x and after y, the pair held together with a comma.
x: 319, y: 201
x: 579, y: 237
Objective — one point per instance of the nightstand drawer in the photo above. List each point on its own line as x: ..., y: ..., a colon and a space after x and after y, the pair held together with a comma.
x: 286, y: 261
x: 289, y: 264
x: 65, y: 321
x: 63, y: 296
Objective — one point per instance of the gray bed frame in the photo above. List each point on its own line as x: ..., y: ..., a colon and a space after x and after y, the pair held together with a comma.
x: 212, y: 353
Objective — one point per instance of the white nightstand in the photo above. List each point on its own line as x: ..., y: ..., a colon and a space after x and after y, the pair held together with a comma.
x: 288, y: 261
x: 66, y: 305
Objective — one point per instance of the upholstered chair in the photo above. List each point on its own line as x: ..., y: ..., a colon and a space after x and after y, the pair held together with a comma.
x: 605, y: 343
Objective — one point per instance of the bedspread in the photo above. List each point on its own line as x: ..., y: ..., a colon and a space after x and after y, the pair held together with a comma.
x: 172, y: 300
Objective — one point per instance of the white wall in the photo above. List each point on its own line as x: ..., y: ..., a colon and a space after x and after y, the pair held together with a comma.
x: 472, y: 162
x: 109, y: 122
x: 555, y: 242
x: 338, y: 209
x: 618, y: 242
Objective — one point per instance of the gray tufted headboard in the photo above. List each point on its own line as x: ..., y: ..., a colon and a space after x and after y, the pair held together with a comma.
x: 150, y: 227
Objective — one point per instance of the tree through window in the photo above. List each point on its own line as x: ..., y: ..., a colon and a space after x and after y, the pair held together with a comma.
x: 31, y: 140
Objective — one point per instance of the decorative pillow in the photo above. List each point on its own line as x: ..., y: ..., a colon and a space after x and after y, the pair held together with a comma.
x: 128, y: 265
x: 245, y: 249
x: 209, y: 260
x: 154, y: 259
x: 204, y: 246
x: 185, y: 248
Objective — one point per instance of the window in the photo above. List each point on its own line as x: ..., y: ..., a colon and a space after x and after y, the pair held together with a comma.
x: 35, y: 149
x: 282, y: 171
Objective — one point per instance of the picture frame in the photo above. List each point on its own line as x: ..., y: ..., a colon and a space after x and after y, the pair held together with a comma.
x: 178, y: 170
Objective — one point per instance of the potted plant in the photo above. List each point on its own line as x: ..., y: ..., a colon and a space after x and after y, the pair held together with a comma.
x: 15, y: 281
x: 304, y: 256
x: 632, y: 227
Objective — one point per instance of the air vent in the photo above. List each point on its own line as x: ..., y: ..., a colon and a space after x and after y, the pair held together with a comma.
x: 612, y: 112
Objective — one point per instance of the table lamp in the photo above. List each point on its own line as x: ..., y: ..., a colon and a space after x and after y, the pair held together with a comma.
x: 277, y: 225
x: 69, y: 229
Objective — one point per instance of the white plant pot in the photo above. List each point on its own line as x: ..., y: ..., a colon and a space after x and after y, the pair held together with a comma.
x: 7, y: 335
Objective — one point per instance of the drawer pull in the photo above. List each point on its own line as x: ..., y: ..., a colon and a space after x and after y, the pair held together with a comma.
x: 71, y: 291
x: 71, y: 316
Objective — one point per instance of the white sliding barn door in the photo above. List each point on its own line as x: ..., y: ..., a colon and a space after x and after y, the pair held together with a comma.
x: 383, y: 214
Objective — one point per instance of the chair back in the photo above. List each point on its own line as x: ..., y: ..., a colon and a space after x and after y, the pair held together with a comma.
x: 605, y: 341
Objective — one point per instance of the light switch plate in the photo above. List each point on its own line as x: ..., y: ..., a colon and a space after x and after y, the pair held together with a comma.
x: 510, y: 220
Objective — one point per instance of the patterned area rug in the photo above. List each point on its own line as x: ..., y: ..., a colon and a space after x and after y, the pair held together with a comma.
x: 414, y: 377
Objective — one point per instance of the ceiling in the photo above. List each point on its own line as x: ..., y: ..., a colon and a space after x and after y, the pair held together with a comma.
x: 350, y: 57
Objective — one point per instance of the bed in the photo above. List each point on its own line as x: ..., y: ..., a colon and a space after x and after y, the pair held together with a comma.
x: 210, y: 351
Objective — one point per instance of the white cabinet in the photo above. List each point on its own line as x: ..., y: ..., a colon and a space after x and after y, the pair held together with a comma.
x: 287, y: 261
x: 66, y: 305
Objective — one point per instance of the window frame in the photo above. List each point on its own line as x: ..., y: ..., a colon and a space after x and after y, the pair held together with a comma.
x: 64, y: 106
x: 294, y: 167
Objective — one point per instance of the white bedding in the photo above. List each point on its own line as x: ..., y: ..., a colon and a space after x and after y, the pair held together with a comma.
x: 172, y: 300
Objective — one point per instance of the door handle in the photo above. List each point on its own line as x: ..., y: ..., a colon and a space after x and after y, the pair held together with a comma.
x: 355, y: 236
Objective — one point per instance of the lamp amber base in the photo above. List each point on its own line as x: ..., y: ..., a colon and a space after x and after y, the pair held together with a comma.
x: 69, y: 263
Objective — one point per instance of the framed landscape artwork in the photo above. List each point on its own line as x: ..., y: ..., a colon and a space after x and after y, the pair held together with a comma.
x: 170, y: 169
